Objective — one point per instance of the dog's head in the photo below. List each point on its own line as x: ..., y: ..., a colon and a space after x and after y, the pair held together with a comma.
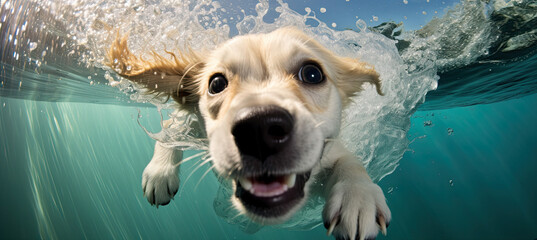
x: 269, y: 102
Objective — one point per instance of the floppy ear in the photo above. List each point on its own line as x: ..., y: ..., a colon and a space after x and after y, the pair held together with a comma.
x: 352, y: 74
x: 174, y: 78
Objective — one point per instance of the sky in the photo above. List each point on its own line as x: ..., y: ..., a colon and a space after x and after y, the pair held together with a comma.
x: 345, y: 13
x: 342, y: 14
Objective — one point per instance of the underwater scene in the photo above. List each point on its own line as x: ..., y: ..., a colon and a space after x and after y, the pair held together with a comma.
x: 452, y: 143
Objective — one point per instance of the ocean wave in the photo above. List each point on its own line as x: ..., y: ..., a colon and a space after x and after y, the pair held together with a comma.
x: 484, y: 52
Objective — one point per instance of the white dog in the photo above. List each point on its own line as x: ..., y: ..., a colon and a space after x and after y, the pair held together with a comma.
x: 271, y: 105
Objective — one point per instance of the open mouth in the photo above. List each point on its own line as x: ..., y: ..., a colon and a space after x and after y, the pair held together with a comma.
x: 271, y: 195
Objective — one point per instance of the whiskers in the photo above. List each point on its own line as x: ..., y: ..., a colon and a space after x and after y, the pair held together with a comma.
x: 190, y: 158
x: 200, y: 163
x: 203, y: 159
x: 205, y: 173
x: 319, y: 124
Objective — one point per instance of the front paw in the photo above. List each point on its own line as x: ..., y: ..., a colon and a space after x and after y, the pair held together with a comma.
x: 356, y: 210
x: 160, y: 183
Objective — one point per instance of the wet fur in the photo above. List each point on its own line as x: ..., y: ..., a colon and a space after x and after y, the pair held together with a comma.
x: 262, y: 70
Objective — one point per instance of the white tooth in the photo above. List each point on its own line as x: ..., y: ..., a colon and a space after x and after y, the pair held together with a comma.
x: 245, y: 183
x: 290, y: 180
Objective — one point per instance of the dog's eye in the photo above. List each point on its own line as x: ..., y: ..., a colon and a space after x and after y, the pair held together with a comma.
x: 217, y: 84
x: 310, y: 73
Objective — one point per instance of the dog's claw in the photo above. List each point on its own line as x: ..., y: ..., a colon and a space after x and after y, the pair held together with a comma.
x: 364, y: 207
x: 330, y: 229
x: 159, y: 184
x: 382, y: 223
x: 332, y: 224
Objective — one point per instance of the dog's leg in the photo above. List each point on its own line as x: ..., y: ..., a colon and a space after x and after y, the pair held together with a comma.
x: 160, y: 180
x: 355, y: 207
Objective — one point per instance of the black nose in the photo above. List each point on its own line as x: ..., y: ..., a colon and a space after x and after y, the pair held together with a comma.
x: 262, y: 131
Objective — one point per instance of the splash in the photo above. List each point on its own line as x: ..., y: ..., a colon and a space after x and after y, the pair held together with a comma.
x: 457, y: 39
x: 374, y: 127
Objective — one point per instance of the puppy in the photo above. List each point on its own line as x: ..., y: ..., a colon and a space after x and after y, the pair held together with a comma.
x: 271, y: 109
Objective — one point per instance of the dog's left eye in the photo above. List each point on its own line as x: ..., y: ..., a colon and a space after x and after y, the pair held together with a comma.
x: 310, y: 73
x: 217, y: 84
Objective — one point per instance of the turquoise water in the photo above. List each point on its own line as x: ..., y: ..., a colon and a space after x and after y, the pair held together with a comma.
x: 73, y: 148
x: 477, y: 183
x: 72, y: 171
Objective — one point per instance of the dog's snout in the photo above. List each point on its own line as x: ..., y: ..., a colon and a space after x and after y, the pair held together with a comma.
x: 262, y: 131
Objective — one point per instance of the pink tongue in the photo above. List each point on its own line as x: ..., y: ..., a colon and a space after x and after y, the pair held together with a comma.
x: 268, y: 189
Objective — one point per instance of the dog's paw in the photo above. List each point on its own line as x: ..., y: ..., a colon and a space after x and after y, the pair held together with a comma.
x: 356, y: 210
x: 160, y: 183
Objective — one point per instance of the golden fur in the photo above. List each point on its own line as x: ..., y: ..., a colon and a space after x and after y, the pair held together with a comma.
x: 177, y: 77
x: 174, y: 77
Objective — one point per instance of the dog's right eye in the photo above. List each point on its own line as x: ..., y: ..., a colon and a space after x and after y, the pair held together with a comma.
x: 217, y: 84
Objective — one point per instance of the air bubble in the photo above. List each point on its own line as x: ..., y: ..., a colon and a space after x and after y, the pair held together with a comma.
x: 246, y: 25
x: 323, y: 10
x: 360, y: 24
x: 32, y: 46
x: 434, y: 85
x: 262, y: 8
